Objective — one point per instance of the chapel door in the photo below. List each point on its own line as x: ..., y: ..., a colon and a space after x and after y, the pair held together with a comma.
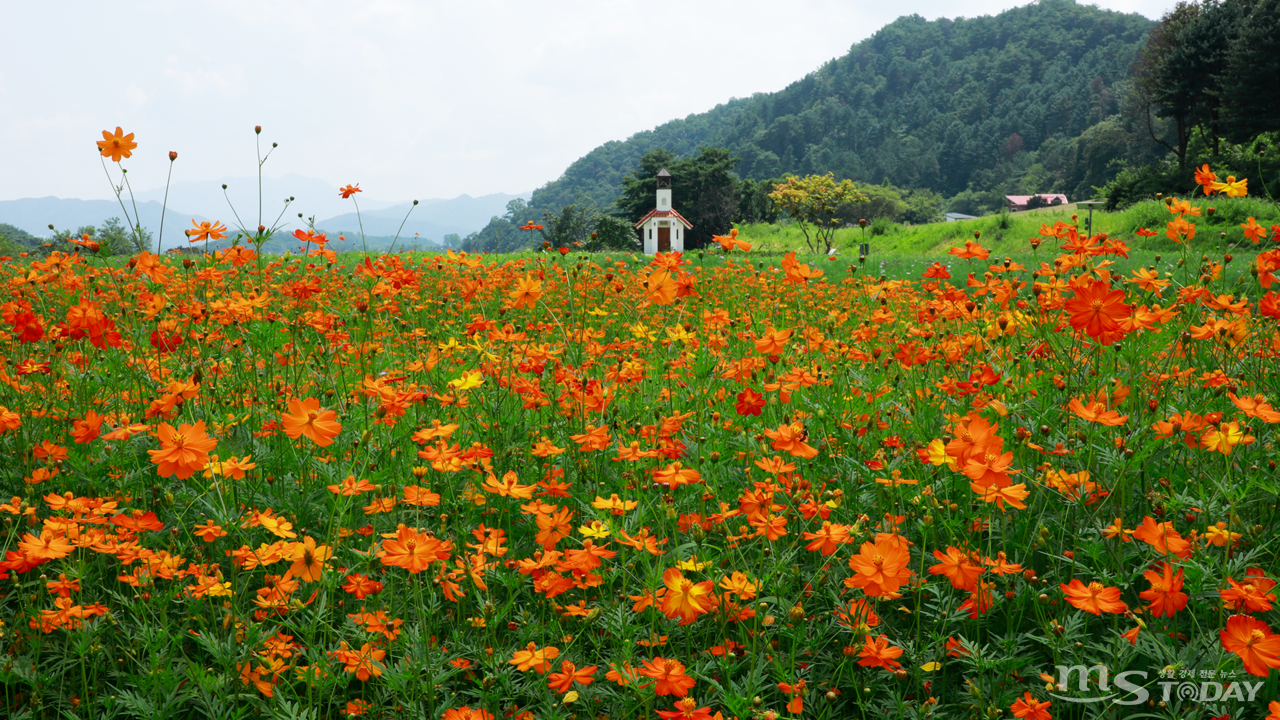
x: 664, y: 239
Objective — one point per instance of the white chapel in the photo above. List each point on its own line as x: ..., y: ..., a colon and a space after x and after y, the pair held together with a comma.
x: 663, y: 228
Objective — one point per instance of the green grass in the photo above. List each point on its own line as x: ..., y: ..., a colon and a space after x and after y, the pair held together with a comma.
x: 1008, y: 234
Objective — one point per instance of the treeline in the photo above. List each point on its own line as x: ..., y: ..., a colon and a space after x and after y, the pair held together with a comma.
x: 1053, y: 97
x: 706, y: 191
x: 112, y: 237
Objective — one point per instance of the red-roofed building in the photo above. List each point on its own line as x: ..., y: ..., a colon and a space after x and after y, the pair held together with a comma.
x: 663, y: 229
x: 1018, y: 203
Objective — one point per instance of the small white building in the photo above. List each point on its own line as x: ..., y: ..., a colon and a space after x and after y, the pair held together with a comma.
x: 663, y: 229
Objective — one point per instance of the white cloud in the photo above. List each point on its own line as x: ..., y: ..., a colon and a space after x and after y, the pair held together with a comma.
x: 410, y: 98
x: 135, y: 94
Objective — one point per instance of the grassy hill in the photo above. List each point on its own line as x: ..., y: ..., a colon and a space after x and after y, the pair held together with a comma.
x: 1008, y: 232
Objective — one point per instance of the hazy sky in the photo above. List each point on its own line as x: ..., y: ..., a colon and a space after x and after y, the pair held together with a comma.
x: 409, y: 99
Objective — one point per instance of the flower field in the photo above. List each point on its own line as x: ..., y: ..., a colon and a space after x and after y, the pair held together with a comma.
x: 243, y: 484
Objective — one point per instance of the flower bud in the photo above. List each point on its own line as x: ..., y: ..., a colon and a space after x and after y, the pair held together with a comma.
x: 257, y: 129
x: 172, y: 156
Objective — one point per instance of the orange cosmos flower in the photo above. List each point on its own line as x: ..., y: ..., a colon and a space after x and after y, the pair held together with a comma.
x: 1096, y: 412
x: 1094, y: 598
x: 49, y: 546
x: 1205, y: 177
x: 879, y: 653
x: 349, y: 190
x: 116, y: 146
x: 209, y: 531
x: 1256, y: 407
x: 828, y: 538
x: 687, y: 709
x: 1253, y: 231
x: 739, y: 584
x: 958, y: 567
x: 182, y: 452
x: 206, y: 231
x: 527, y: 292
x: 137, y: 521
x: 552, y: 528
x: 531, y: 658
x: 1163, y: 537
x: 363, y: 662
x: 308, y: 559
x: 1116, y: 529
x: 361, y: 586
x: 1253, y: 595
x: 1013, y: 494
x: 880, y: 568
x: 796, y: 691
x: 614, y: 504
x: 669, y: 676
x: 1149, y: 280
x: 413, y: 551
x: 595, y: 438
x: 773, y: 342
x: 988, y: 467
x: 937, y: 271
x: 569, y: 674
x: 305, y: 417
x: 676, y: 475
x: 86, y: 430
x: 351, y: 487
x: 791, y: 439
x: 1254, y: 642
x: 1028, y: 708
x: 1098, y: 310
x: 731, y: 241
x: 685, y: 599
x: 1166, y: 596
x: 509, y: 486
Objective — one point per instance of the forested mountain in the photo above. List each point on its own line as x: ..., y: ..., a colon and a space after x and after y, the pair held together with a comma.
x: 924, y: 104
x: 969, y: 108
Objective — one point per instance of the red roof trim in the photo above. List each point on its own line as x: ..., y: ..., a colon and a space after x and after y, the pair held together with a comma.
x: 665, y: 214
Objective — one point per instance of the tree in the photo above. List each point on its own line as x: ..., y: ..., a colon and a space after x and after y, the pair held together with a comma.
x: 116, y: 239
x: 612, y: 233
x: 704, y: 189
x: 452, y: 240
x: 1250, y: 101
x: 811, y: 202
x: 19, y: 237
x: 570, y: 227
x: 754, y: 205
x: 923, y: 206
x: 1183, y: 72
x: 515, y: 209
x: 1151, y: 73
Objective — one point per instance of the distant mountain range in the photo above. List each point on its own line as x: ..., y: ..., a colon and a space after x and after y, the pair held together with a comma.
x: 432, y: 219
